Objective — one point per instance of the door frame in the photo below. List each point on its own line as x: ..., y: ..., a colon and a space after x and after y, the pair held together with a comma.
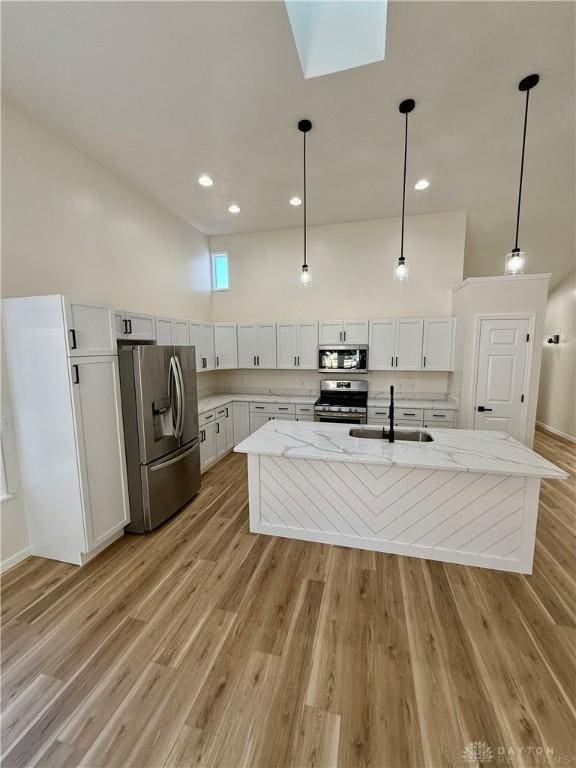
x: 478, y: 319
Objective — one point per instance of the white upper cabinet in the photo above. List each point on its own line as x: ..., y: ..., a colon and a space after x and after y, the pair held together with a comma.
x: 330, y: 332
x: 408, y: 354
x: 89, y: 328
x: 412, y: 343
x: 195, y: 339
x: 100, y: 445
x: 297, y: 345
x: 257, y: 345
x: 164, y: 331
x: 287, y: 345
x: 225, y: 345
x: 382, y: 351
x: 180, y: 333
x: 207, y: 350
x: 135, y: 326
x: 343, y: 332
x: 172, y: 331
x: 438, y: 346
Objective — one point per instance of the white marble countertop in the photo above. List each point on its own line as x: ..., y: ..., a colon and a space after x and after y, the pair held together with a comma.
x: 452, y: 449
x: 218, y: 401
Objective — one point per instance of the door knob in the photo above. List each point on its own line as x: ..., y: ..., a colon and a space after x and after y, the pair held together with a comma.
x: 482, y: 408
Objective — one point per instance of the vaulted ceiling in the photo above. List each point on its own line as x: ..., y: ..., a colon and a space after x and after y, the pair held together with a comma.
x: 162, y: 92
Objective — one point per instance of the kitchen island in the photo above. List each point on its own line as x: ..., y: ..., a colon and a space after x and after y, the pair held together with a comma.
x: 468, y: 497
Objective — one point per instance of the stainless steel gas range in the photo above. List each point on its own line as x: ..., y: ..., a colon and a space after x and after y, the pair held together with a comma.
x: 342, y: 401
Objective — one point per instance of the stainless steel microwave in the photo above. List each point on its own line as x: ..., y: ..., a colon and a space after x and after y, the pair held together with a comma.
x: 343, y: 358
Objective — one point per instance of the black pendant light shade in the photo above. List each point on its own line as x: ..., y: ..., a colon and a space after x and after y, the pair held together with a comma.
x: 401, y: 269
x: 305, y: 279
x: 516, y: 259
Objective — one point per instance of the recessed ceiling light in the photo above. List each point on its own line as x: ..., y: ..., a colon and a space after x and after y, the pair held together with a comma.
x: 422, y: 184
x: 205, y: 180
x: 234, y: 208
x: 295, y: 201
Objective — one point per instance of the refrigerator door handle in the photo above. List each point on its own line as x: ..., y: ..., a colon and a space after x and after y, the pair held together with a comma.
x: 182, y: 406
x: 175, y: 460
x: 176, y: 403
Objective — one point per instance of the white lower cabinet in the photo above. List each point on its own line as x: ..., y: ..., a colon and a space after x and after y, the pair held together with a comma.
x: 207, y: 445
x: 100, y: 445
x: 258, y: 420
x: 229, y: 428
x: 220, y: 437
x: 241, y: 420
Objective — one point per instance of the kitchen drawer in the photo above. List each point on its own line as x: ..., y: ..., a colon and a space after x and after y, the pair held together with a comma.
x: 273, y: 408
x: 397, y: 423
x: 437, y: 416
x: 305, y: 410
x: 206, y: 417
x: 223, y: 411
x: 403, y: 414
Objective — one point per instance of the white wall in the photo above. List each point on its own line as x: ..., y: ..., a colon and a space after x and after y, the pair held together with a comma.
x: 72, y: 226
x: 352, y: 270
x: 557, y: 398
x: 504, y: 295
x: 69, y: 225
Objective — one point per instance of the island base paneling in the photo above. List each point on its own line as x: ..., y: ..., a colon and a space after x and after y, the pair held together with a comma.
x: 470, y: 518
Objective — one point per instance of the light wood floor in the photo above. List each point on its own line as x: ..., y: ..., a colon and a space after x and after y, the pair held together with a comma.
x: 203, y: 645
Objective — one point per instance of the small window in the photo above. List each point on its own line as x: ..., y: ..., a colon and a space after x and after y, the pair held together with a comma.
x: 220, y: 274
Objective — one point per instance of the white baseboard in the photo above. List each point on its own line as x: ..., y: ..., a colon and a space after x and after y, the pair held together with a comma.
x: 14, y: 559
x: 554, y: 431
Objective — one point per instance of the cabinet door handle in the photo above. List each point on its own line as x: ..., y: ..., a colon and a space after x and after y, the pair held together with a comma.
x: 392, y: 361
x: 294, y: 360
x: 282, y: 409
x: 125, y: 323
x: 406, y: 413
x: 217, y: 428
x: 483, y: 408
x: 258, y: 359
x: 76, y: 372
x: 396, y: 362
x: 254, y: 361
x: 259, y: 407
x: 439, y: 415
x: 424, y: 361
x: 345, y: 335
x: 73, y: 344
x: 227, y: 413
x: 129, y: 325
x: 202, y: 435
x: 204, y: 364
x: 211, y: 416
x: 217, y: 361
x: 298, y: 360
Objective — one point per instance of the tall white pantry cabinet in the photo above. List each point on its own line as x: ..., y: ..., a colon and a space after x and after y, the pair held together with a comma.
x: 63, y: 369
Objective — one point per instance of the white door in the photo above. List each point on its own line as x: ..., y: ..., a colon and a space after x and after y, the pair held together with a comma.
x: 225, y: 345
x: 308, y: 346
x: 331, y: 332
x: 258, y: 420
x: 438, y: 344
x: 195, y: 334
x: 287, y: 345
x: 141, y: 327
x: 382, y: 345
x: 241, y: 418
x: 220, y: 431
x: 207, y: 445
x: 207, y: 346
x: 355, y: 332
x: 408, y: 353
x: 90, y: 328
x: 163, y: 331
x: 246, y: 345
x: 266, y: 345
x: 100, y: 446
x: 229, y: 428
x: 180, y: 333
x: 501, y: 375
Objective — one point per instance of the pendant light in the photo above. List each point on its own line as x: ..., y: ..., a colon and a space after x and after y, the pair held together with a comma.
x: 401, y: 269
x: 305, y: 278
x: 516, y: 259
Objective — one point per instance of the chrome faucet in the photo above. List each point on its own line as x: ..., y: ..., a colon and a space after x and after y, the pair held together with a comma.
x: 391, y: 415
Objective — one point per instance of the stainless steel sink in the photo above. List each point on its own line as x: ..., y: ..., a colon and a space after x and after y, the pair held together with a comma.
x: 400, y: 435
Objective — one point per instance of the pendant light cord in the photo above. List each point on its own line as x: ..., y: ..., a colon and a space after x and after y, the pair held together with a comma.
x: 305, y: 203
x: 404, y: 185
x: 521, y: 171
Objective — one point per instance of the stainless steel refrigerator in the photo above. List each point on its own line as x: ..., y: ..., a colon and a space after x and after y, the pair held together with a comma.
x: 160, y: 414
